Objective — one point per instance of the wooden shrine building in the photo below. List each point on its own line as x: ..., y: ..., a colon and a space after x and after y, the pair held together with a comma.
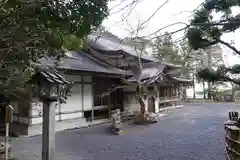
x: 103, y: 64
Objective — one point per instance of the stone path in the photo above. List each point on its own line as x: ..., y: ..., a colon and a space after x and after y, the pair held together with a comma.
x: 194, y: 132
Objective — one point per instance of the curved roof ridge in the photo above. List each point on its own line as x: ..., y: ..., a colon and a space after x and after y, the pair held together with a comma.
x: 110, y: 44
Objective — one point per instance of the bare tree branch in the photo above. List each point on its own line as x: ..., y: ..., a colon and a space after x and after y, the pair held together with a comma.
x: 229, y: 46
x: 154, y: 13
x: 115, y: 6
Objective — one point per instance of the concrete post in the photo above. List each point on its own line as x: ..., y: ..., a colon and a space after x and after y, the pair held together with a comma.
x: 48, y: 131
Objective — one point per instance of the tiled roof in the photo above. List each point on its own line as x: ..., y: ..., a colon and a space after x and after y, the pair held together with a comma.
x: 150, y: 72
x: 48, y: 76
x: 80, y: 61
x: 154, y: 72
x: 111, y: 45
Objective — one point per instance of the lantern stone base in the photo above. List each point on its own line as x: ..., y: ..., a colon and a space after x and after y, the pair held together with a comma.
x: 116, y: 122
x: 232, y: 141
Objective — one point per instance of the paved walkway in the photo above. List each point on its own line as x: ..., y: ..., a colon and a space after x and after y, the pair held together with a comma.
x: 194, y: 132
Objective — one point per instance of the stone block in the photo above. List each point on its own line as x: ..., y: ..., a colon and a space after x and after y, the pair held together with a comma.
x: 116, y: 121
x: 233, y: 115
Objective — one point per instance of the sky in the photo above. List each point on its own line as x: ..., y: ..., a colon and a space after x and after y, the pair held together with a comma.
x: 173, y: 11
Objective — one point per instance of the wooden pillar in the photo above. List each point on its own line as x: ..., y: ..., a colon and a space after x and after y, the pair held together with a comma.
x: 165, y: 93
x: 174, y: 90
x: 159, y: 91
x: 156, y: 104
x: 93, y: 93
x: 59, y: 104
x: 168, y: 92
x: 82, y: 93
x: 48, y: 129
x: 109, y: 106
x: 92, y: 115
x: 178, y: 90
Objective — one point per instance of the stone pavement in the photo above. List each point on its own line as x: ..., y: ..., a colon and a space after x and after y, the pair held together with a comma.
x: 66, y: 125
x: 194, y: 132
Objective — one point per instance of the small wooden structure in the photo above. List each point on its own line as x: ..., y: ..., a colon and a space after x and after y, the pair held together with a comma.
x: 232, y: 137
x: 49, y: 84
x: 5, y: 119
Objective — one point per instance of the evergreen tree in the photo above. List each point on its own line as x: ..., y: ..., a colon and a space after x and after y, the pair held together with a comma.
x: 205, y: 31
x: 34, y: 28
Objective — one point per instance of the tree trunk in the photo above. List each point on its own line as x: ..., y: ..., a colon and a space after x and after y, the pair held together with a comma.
x: 209, y: 67
x: 194, y: 89
x: 139, y: 98
x: 209, y: 95
x: 204, y: 90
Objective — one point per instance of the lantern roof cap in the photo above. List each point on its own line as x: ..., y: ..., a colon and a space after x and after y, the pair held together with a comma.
x: 47, y: 77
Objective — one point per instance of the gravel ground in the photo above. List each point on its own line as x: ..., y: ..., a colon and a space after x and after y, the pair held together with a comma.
x: 194, y: 132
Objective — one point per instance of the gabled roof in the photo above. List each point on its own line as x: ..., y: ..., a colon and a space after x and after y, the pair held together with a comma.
x: 110, y: 45
x: 80, y: 61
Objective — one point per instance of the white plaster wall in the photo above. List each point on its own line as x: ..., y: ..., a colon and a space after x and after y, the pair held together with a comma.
x: 77, y: 101
x: 87, y: 97
x: 73, y: 102
x: 36, y: 108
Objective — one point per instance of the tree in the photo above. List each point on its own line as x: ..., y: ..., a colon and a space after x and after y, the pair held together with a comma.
x: 31, y: 29
x: 165, y: 49
x: 205, y: 31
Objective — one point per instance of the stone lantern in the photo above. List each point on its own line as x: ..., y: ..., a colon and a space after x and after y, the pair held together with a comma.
x: 48, y: 84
